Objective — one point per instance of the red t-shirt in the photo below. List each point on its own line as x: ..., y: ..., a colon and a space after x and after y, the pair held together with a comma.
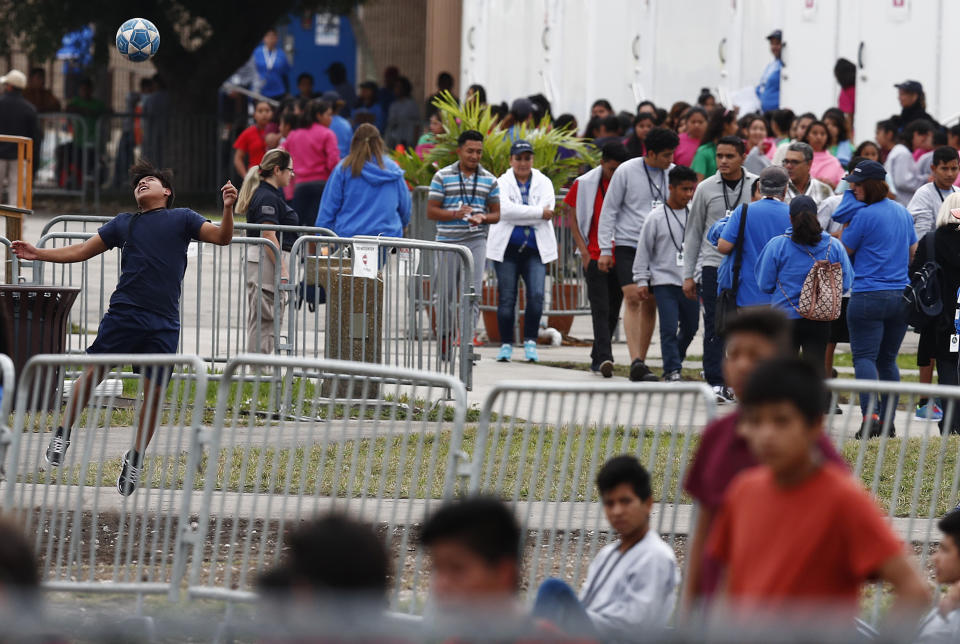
x: 593, y: 245
x: 815, y: 542
x: 251, y: 141
x: 723, y: 454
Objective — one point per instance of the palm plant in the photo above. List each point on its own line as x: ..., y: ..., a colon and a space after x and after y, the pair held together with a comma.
x: 457, y: 118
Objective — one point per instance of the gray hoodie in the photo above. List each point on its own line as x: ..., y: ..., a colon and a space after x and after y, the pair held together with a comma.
x: 707, y: 207
x: 661, y: 242
x: 633, y: 189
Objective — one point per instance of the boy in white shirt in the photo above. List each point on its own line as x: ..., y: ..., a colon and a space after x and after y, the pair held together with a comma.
x: 942, y: 624
x: 631, y: 585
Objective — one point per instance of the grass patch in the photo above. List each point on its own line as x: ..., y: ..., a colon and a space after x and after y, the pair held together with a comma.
x: 619, y: 369
x: 530, y: 463
x: 904, y: 360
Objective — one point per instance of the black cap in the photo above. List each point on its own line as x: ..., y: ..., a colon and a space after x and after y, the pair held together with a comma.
x: 912, y: 86
x: 522, y: 106
x: 776, y: 34
x: 866, y: 170
x: 802, y: 203
x: 331, y: 96
x: 520, y: 146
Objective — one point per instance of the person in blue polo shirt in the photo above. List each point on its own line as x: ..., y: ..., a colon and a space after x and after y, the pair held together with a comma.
x: 880, y: 237
x: 766, y: 219
x: 768, y: 91
x: 272, y: 66
x: 783, y: 267
x: 144, y: 313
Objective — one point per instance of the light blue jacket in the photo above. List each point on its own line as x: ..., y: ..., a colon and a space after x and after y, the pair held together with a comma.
x: 375, y: 203
x: 768, y: 91
x: 783, y: 266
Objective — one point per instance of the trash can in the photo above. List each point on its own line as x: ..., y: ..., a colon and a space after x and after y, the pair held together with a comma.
x: 33, y: 320
x: 354, y: 316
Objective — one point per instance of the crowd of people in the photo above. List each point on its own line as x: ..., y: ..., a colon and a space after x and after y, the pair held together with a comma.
x: 778, y: 514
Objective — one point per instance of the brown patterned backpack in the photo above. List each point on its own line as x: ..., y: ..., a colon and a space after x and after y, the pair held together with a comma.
x: 822, y: 292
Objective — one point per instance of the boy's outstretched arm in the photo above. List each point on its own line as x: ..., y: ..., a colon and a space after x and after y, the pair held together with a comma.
x: 221, y: 234
x: 63, y: 255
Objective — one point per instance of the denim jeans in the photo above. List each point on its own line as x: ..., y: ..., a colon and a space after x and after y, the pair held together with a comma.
x: 877, y: 322
x: 518, y: 263
x: 606, y: 296
x: 557, y: 603
x: 712, y: 343
x: 679, y: 318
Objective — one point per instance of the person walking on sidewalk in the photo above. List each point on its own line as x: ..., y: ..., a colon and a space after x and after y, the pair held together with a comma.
x: 603, y: 288
x: 637, y: 187
x: 658, y: 269
x: 464, y: 199
x: 521, y: 244
x: 715, y: 198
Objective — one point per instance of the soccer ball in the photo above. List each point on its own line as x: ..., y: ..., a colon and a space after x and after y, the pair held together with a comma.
x: 138, y: 40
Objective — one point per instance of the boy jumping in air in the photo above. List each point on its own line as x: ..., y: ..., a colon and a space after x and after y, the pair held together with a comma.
x: 144, y: 311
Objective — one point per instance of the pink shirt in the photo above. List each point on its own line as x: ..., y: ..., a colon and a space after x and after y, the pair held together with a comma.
x: 314, y: 151
x: 848, y: 99
x: 826, y: 168
x: 687, y: 149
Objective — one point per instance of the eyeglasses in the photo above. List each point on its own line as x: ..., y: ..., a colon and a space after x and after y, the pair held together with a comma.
x: 292, y: 173
x: 788, y: 162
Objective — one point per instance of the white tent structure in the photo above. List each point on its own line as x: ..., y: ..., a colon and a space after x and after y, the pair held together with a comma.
x: 574, y: 51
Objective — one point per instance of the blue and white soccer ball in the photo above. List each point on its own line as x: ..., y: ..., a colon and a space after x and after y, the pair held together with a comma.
x: 138, y: 39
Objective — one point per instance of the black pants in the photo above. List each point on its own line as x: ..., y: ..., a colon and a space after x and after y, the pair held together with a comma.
x: 306, y: 201
x: 947, y: 374
x: 605, y: 296
x: 810, y: 339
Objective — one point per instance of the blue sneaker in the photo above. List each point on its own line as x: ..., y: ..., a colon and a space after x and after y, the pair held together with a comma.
x: 930, y: 411
x: 530, y: 351
x: 506, y: 352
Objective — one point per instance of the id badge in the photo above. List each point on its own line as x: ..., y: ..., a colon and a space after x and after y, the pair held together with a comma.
x: 728, y: 212
x: 954, y: 343
x: 680, y: 258
x: 656, y: 203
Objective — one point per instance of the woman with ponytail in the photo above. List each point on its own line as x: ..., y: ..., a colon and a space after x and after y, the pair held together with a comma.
x: 366, y: 193
x: 261, y: 200
x: 783, y: 266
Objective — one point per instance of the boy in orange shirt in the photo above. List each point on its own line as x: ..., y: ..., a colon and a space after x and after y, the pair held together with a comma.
x: 797, y: 532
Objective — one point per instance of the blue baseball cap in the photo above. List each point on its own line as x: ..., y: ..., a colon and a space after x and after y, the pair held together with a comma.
x: 866, y: 170
x: 520, y: 146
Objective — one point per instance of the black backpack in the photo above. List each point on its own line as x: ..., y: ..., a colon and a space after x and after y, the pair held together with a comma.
x: 922, y: 297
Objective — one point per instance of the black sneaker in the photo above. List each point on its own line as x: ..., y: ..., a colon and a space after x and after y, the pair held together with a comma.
x: 640, y: 372
x: 606, y: 368
x: 57, y: 449
x: 673, y: 376
x: 129, y: 475
x: 723, y: 395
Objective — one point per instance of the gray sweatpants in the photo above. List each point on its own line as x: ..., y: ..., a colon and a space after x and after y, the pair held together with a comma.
x: 449, y: 278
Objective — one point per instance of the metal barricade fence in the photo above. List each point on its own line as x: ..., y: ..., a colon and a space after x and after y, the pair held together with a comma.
x: 381, y: 451
x: 413, y: 310
x: 69, y: 155
x: 540, y: 446
x: 11, y: 265
x: 88, y: 536
x: 912, y: 470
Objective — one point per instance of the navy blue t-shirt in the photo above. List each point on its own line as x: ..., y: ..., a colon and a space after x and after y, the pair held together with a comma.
x: 153, y: 258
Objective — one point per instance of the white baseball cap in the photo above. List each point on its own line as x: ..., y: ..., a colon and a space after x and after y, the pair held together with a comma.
x: 14, y: 77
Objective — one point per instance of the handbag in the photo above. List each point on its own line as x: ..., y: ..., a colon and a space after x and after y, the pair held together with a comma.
x: 727, y: 299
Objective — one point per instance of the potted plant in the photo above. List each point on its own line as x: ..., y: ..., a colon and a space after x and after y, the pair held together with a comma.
x: 546, y: 141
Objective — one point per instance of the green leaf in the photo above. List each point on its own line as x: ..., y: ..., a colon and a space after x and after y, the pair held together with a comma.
x: 458, y: 118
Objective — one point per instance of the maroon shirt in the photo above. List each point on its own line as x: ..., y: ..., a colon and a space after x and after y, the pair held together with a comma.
x: 722, y: 455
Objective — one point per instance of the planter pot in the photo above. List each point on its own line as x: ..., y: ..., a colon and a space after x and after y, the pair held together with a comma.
x: 564, y: 297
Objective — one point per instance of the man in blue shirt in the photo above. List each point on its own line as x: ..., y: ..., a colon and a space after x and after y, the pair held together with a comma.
x: 144, y: 313
x: 766, y: 219
x: 768, y: 91
x: 272, y: 66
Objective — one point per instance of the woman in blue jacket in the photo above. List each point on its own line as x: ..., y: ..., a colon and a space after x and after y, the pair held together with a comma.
x: 783, y: 266
x: 366, y: 193
x: 880, y: 237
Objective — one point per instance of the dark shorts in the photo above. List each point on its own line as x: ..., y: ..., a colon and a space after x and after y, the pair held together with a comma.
x: 623, y: 264
x: 927, y: 346
x: 838, y: 328
x: 129, y: 330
